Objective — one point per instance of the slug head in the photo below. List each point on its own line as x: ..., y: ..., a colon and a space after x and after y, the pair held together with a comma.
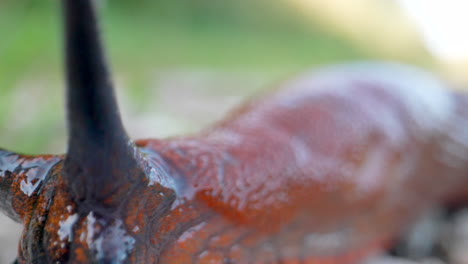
x: 58, y: 227
x: 94, y: 204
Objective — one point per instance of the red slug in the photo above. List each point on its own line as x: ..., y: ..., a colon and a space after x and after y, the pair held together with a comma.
x: 329, y: 168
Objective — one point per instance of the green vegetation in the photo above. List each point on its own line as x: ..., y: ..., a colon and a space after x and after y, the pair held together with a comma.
x: 229, y: 36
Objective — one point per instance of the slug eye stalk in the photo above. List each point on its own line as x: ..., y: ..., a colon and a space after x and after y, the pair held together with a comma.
x: 100, y: 157
x: 21, y: 179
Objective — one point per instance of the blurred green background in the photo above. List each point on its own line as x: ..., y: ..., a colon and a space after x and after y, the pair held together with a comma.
x: 179, y: 64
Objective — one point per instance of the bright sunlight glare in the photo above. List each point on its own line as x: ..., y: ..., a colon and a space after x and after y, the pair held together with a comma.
x: 443, y: 25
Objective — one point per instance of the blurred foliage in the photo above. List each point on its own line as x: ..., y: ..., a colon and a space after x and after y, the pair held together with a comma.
x: 145, y: 36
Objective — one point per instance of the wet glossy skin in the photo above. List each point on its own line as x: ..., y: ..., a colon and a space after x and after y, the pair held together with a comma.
x: 328, y: 169
x: 319, y: 168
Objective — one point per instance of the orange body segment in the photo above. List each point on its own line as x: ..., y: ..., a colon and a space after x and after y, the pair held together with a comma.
x: 320, y: 167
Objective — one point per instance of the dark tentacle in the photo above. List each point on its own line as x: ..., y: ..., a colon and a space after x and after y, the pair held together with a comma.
x: 100, y: 158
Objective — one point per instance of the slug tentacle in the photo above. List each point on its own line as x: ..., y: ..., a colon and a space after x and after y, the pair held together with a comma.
x: 101, y: 159
x: 21, y: 177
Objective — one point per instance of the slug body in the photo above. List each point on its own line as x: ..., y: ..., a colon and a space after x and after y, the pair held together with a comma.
x: 330, y: 168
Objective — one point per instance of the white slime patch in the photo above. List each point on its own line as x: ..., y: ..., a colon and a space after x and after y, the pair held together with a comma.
x: 156, y: 170
x: 66, y: 226
x: 36, y: 171
x: 114, y: 243
x: 7, y: 163
x: 90, y: 222
x: 110, y: 243
x: 30, y: 184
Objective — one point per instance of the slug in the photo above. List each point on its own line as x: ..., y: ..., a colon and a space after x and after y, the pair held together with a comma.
x: 330, y: 168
